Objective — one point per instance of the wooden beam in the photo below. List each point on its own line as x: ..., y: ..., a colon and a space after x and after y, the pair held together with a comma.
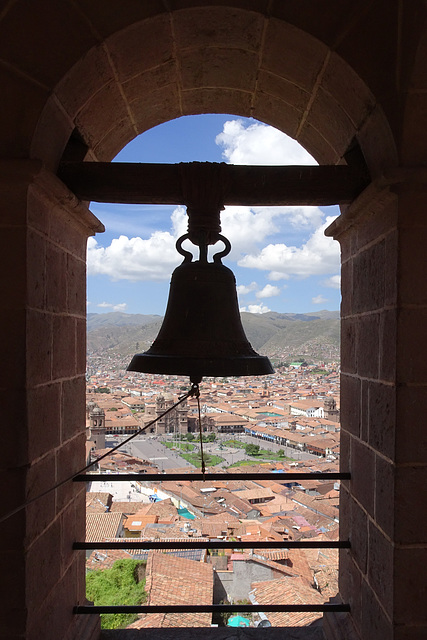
x: 242, y: 185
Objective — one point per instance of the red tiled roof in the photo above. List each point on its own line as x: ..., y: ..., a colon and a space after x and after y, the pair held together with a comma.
x: 171, y: 580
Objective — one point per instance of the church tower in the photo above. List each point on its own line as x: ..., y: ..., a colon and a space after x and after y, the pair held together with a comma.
x: 330, y: 410
x: 97, y: 427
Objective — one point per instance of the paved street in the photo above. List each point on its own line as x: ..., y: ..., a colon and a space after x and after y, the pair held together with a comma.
x: 150, y: 448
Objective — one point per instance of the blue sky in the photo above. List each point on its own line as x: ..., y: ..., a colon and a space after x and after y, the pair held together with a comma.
x: 280, y: 256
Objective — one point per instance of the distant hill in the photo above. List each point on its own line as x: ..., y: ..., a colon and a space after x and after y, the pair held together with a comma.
x: 281, y: 336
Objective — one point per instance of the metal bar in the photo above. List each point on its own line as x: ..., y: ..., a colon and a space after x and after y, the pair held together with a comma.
x: 215, y: 544
x: 242, y: 185
x: 161, y: 477
x: 209, y: 608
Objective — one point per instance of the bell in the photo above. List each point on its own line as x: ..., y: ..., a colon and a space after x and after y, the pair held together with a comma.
x: 202, y: 333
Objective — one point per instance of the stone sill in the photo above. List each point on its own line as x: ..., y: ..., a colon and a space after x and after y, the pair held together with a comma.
x: 217, y: 633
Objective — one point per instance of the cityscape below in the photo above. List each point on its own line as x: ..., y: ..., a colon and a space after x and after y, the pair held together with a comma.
x: 285, y: 421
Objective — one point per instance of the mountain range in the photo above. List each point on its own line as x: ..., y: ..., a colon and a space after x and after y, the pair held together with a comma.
x: 281, y: 336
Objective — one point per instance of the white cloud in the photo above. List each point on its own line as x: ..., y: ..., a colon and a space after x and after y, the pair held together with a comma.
x: 134, y: 258
x: 334, y: 282
x: 260, y: 144
x: 319, y: 255
x: 243, y: 289
x: 122, y: 306
x: 255, y: 308
x: 319, y: 299
x: 268, y: 292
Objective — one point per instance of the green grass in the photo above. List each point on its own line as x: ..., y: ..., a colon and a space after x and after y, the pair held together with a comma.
x: 195, y: 458
x: 234, y: 443
x: 115, y: 586
x: 181, y: 445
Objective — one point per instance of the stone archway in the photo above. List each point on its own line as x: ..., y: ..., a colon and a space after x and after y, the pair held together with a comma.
x: 336, y: 78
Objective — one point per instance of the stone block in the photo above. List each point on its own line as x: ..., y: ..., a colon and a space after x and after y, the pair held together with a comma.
x: 312, y: 140
x: 152, y: 80
x: 388, y: 330
x: 64, y: 231
x: 368, y: 346
x: 56, y: 279
x: 382, y: 418
x: 391, y: 261
x: 350, y: 404
x: 70, y: 532
x: 81, y: 335
x: 358, y: 535
x: 377, y: 143
x: 376, y: 224
x: 141, y: 46
x: 64, y: 346
x: 364, y: 410
x: 349, y: 344
x: 40, y: 513
x: 369, y: 279
x: 70, y: 460
x: 217, y: 101
x: 43, y: 566
x: 36, y: 272
x: 363, y: 475
x: 327, y: 116
x: 345, y: 451
x: 76, y: 286
x: 283, y: 90
x: 73, y: 408
x: 218, y: 27
x: 85, y: 78
x: 270, y: 109
x: 350, y: 582
x: 39, y: 347
x: 375, y: 623
x: 44, y: 417
x: 380, y: 567
x: 118, y: 137
x: 287, y: 54
x: 162, y: 103
x: 385, y: 495
x: 101, y: 113
x: 219, y: 67
x: 340, y: 80
x: 346, y: 288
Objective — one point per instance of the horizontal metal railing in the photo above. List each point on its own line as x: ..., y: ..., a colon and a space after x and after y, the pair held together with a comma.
x: 212, y: 543
x: 211, y: 608
x: 130, y: 543
x: 278, y: 476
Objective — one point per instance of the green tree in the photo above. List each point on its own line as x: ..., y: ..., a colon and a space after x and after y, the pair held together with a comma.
x: 118, y: 585
x: 252, y: 449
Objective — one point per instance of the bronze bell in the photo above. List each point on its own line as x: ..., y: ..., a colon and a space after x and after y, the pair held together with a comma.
x: 202, y: 333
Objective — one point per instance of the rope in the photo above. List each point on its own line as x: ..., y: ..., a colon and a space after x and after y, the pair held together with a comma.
x: 194, y: 391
